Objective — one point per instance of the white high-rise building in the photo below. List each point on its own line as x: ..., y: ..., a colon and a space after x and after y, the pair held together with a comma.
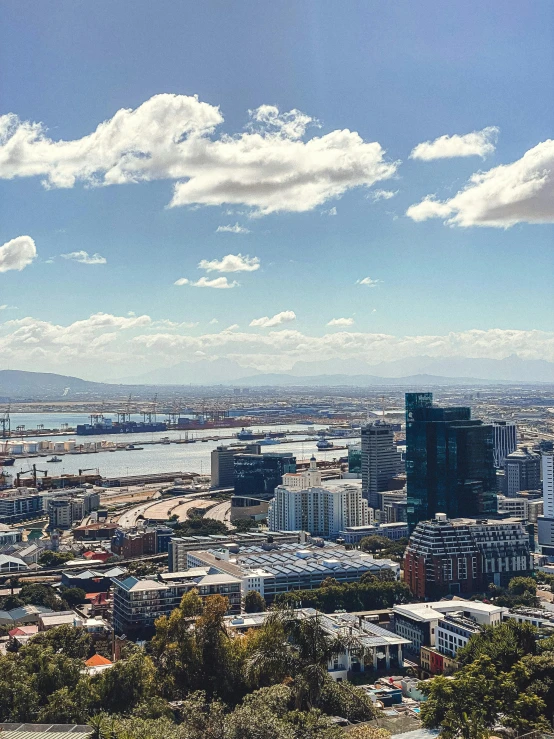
x: 545, y: 523
x: 380, y: 460
x: 322, y: 511
x: 505, y: 441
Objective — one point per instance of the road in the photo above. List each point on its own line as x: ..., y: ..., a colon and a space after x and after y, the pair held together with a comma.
x: 222, y: 512
x: 164, y: 509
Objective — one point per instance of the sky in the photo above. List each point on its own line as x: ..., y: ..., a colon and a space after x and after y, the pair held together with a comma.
x: 273, y: 183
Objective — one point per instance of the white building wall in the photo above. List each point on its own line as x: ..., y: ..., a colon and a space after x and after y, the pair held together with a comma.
x: 548, y: 484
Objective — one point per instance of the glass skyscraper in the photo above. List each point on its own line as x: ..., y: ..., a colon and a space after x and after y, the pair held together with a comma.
x: 449, y: 461
x: 257, y: 475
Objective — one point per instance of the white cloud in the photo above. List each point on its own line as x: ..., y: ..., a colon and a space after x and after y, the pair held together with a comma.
x: 368, y: 281
x: 285, y: 316
x: 331, y: 212
x: 83, y: 257
x: 236, y: 229
x: 268, y: 168
x: 477, y: 143
x: 219, y: 283
x: 213, y: 321
x: 376, y: 195
x: 341, y: 322
x: 17, y: 253
x: 520, y: 192
x: 231, y: 263
x: 92, y: 345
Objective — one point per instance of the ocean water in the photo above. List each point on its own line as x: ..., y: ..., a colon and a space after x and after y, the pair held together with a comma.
x: 154, y: 457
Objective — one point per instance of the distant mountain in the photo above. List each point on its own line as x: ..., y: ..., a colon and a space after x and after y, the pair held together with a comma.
x: 203, y: 372
x: 21, y: 384
x: 511, y: 369
x: 274, y: 380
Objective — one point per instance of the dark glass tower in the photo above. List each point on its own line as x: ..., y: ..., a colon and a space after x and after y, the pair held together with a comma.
x: 257, y: 475
x: 449, y: 461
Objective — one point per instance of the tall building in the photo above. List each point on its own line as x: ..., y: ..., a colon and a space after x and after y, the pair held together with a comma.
x: 380, y: 460
x: 322, y: 511
x: 522, y: 471
x: 545, y: 523
x: 19, y: 504
x: 505, y: 441
x: 449, y: 461
x: 464, y: 555
x: 222, y: 463
x: 355, y: 459
x: 257, y: 475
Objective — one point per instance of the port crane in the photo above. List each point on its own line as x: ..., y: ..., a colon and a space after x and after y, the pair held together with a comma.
x: 149, y: 416
x: 125, y: 415
x: 34, y: 471
x: 88, y: 469
x: 5, y: 423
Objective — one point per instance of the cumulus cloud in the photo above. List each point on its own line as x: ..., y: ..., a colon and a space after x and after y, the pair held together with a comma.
x: 341, y: 322
x: 104, y: 340
x: 268, y: 168
x: 285, y: 316
x: 231, y: 263
x: 382, y: 195
x: 236, y: 229
x: 83, y: 257
x: 219, y: 283
x: 331, y: 212
x: 477, y: 143
x: 17, y: 253
x: 368, y: 282
x: 520, y: 192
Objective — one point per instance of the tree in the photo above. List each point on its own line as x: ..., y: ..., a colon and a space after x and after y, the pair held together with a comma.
x: 42, y: 595
x: 505, y: 644
x: 368, y: 732
x: 68, y: 640
x: 254, y: 602
x: 128, y: 683
x: 73, y: 596
x: 374, y: 543
x: 54, y: 559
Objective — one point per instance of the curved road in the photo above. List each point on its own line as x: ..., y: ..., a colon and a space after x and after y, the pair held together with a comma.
x: 162, y: 510
x: 222, y: 512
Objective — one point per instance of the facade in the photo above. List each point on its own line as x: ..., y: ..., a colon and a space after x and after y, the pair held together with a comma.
x: 9, y: 536
x: 522, y: 471
x: 545, y: 523
x: 19, y: 504
x: 139, y: 541
x: 272, y: 571
x: 138, y: 603
x: 222, y: 463
x: 257, y: 475
x: 505, y: 441
x: 380, y: 460
x: 453, y: 632
x: 464, y: 555
x: 355, y: 459
x: 322, y: 511
x: 11, y: 564
x: 449, y: 461
x: 394, y: 531
x: 419, y: 622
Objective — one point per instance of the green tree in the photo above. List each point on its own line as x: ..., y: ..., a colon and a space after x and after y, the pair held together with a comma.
x: 68, y: 640
x: 374, y: 543
x: 505, y: 644
x: 73, y: 596
x: 55, y: 559
x: 254, y: 602
x: 126, y: 684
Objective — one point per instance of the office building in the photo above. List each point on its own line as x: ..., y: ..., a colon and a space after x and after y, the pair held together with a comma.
x: 393, y: 531
x: 380, y: 460
x: 279, y: 569
x: 257, y: 475
x: 449, y: 461
x: 465, y: 555
x: 522, y: 471
x: 322, y: 510
x: 141, y: 540
x: 222, y: 463
x: 505, y: 441
x: 19, y: 504
x: 179, y: 546
x: 419, y: 622
x: 355, y: 459
x: 545, y: 523
x: 137, y: 603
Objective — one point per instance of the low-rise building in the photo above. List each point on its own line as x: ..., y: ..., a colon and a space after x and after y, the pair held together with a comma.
x: 19, y: 504
x: 273, y: 570
x: 12, y: 564
x: 137, y: 603
x: 454, y: 631
x: 393, y: 531
x: 9, y: 536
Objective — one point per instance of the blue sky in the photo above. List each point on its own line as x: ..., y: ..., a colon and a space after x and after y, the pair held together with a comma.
x: 398, y: 74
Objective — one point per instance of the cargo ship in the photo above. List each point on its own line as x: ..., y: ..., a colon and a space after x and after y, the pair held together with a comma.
x: 115, y: 427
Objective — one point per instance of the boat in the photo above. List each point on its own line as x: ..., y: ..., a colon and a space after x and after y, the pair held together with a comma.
x: 7, y: 462
x: 54, y: 459
x: 248, y: 435
x: 268, y: 440
x: 107, y: 426
x: 324, y: 444
x: 133, y: 448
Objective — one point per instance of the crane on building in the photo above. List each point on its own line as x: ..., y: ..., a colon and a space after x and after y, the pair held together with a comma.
x: 34, y: 471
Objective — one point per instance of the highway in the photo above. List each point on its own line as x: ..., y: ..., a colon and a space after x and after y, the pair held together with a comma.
x: 221, y: 512
x: 162, y: 510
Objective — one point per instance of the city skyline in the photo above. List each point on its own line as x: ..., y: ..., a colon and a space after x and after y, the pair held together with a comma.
x: 365, y: 185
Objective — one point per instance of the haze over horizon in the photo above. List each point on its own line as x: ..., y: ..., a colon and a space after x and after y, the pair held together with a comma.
x: 368, y: 191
